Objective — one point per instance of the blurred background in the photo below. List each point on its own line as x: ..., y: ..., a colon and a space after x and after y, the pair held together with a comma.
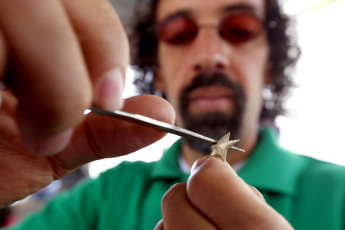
x: 315, y: 124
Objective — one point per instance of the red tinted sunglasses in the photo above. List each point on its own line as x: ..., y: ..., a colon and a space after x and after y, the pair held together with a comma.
x: 235, y: 28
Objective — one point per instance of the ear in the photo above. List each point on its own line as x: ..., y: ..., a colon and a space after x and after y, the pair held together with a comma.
x: 158, y: 81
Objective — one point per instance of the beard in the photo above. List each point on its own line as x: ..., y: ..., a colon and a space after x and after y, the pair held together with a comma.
x: 212, y: 124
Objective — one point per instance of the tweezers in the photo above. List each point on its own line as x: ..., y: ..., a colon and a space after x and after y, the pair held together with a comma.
x: 159, y: 125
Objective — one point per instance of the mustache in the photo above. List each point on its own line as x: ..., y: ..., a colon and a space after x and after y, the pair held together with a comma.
x: 204, y: 79
x: 212, y: 124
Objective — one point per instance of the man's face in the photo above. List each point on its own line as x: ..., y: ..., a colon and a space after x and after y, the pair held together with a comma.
x: 211, y: 80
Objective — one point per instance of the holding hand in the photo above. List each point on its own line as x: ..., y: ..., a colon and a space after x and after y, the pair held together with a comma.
x: 216, y: 198
x: 57, y: 58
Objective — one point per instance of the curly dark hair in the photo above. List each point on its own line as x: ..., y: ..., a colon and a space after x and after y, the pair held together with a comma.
x: 284, y: 53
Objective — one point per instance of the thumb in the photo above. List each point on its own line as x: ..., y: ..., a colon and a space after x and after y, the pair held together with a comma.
x: 222, y: 196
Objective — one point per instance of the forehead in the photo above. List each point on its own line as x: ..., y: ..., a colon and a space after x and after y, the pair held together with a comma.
x: 203, y: 8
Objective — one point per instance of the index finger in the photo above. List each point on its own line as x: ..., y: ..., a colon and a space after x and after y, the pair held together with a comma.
x: 179, y: 213
x: 48, y: 73
x: 84, y: 43
x: 105, y: 47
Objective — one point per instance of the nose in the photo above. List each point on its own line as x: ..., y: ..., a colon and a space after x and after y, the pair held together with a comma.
x: 211, y: 52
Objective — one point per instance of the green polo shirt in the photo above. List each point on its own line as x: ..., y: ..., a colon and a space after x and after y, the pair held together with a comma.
x: 309, y: 193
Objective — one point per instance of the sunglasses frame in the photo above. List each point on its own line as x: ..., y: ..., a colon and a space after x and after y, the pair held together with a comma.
x: 263, y: 22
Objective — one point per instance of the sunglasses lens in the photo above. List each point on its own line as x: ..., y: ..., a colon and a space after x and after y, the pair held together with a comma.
x: 177, y: 30
x: 240, y: 28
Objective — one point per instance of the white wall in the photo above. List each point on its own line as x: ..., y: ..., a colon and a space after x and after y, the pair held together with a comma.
x: 316, y: 126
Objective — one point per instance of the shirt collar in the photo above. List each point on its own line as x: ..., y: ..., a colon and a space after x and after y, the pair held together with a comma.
x: 168, y: 166
x: 272, y: 168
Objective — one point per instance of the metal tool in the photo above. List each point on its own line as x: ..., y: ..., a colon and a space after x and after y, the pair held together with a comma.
x: 162, y: 126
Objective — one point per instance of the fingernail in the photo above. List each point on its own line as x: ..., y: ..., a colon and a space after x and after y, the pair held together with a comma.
x: 109, y: 90
x: 198, y: 163
x: 54, y: 144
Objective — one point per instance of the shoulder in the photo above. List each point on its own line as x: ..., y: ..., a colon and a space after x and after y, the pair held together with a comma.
x: 320, y: 180
x: 324, y: 172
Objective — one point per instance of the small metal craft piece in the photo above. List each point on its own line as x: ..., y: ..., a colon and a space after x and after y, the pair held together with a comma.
x: 222, y: 147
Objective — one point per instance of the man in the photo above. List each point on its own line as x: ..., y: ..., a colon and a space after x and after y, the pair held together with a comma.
x: 207, y: 74
x: 212, y: 61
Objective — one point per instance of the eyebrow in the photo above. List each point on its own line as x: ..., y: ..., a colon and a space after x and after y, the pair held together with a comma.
x: 226, y: 9
x: 238, y: 7
x: 185, y: 13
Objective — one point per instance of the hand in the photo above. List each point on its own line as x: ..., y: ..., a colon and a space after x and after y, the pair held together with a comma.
x: 216, y: 198
x: 97, y: 137
x: 57, y: 58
